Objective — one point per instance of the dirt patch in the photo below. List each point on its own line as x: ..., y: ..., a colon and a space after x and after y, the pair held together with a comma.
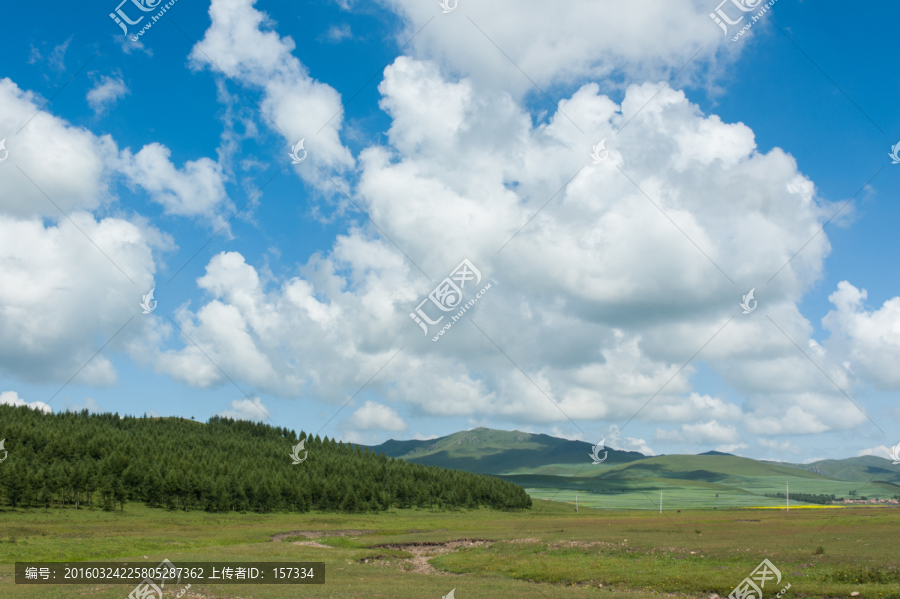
x: 318, y: 534
x: 528, y: 540
x: 422, y: 553
x: 311, y: 544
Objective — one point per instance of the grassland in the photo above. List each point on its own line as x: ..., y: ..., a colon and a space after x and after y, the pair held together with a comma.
x: 548, y: 552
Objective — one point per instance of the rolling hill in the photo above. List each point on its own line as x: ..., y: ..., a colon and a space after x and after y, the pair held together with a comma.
x: 489, y: 451
x: 555, y: 468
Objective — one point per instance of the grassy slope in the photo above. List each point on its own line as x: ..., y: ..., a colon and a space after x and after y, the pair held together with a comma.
x: 489, y: 451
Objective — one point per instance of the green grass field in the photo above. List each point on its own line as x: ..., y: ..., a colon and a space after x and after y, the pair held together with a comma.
x: 684, y: 494
x: 548, y: 552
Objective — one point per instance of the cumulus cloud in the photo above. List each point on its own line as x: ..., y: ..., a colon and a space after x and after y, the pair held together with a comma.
x: 241, y: 42
x: 694, y: 407
x: 68, y: 284
x: 70, y: 164
x: 563, y: 41
x: 599, y: 299
x: 781, y: 446
x: 61, y: 298
x: 701, y: 433
x: 197, y: 189
x: 375, y: 416
x: 11, y: 398
x: 869, y: 338
x: 106, y: 92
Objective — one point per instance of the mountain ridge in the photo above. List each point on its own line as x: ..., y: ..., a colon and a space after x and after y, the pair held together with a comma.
x: 511, y: 453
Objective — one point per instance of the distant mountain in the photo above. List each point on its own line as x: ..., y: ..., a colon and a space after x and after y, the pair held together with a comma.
x: 489, y: 451
x: 708, y: 467
x: 538, y: 460
x: 859, y: 469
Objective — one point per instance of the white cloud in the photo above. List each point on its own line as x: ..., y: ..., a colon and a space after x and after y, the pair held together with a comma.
x: 782, y: 446
x: 106, y: 92
x: 61, y: 298
x: 337, y: 34
x: 694, y: 407
x: 701, y: 433
x: 375, y: 416
x: 11, y: 398
x: 68, y: 284
x: 245, y: 409
x: 69, y: 164
x: 57, y: 58
x: 870, y: 339
x: 563, y: 41
x: 197, y: 189
x: 242, y: 44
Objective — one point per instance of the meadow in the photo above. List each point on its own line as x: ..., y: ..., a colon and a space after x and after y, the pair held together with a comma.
x: 548, y: 552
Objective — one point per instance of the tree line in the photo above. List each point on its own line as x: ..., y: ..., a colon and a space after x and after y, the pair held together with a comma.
x: 818, y: 498
x: 104, y: 460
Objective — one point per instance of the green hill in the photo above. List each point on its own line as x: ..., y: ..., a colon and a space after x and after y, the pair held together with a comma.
x: 489, y: 451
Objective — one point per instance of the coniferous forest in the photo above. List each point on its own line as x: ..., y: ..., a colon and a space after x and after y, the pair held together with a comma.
x: 87, y: 460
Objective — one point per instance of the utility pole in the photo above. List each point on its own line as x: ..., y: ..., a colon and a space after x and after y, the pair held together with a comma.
x: 660, y: 501
x: 787, y: 495
x: 576, y: 502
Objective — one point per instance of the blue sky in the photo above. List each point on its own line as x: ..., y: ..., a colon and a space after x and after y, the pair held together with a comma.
x: 826, y: 100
